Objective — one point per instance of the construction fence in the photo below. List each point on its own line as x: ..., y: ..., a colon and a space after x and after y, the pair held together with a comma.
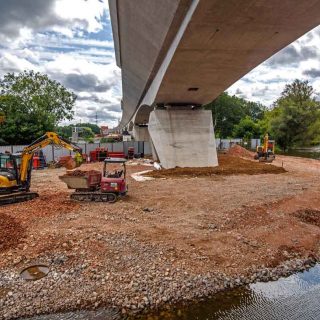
x: 223, y: 144
x: 53, y: 153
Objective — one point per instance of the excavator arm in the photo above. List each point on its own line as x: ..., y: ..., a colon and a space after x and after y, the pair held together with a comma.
x: 46, y: 139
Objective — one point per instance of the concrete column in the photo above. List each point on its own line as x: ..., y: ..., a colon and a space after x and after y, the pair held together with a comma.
x: 155, y: 156
x: 140, y: 133
x: 183, y: 138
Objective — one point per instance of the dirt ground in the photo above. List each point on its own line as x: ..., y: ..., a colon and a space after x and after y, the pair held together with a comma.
x: 219, y: 216
x: 226, y: 223
x: 228, y: 165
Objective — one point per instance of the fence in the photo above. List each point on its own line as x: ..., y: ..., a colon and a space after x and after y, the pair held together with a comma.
x: 52, y: 152
x: 227, y: 143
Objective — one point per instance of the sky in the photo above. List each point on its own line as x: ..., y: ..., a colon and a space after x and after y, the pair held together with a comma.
x: 71, y: 41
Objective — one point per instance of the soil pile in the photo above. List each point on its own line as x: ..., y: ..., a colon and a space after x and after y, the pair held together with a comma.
x: 76, y: 173
x: 81, y: 173
x: 308, y: 216
x: 228, y: 165
x: 11, y: 232
x: 238, y: 151
x: 45, y: 205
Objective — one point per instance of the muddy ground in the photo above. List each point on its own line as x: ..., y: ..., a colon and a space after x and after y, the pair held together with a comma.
x: 160, y: 243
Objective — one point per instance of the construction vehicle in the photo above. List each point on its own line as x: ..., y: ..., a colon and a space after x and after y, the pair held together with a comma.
x: 265, y: 153
x: 15, y: 169
x: 96, y: 186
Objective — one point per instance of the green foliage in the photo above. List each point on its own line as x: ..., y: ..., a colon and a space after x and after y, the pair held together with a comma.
x: 88, y: 130
x: 32, y: 104
x: 90, y: 140
x: 64, y: 131
x: 246, y: 129
x: 298, y: 91
x: 228, y: 111
x: 87, y: 134
x: 103, y: 140
x: 95, y: 128
x: 295, y: 119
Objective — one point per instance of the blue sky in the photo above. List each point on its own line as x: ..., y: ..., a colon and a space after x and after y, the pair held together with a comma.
x: 71, y: 41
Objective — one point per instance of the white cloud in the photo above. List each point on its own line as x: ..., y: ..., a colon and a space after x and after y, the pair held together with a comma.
x: 12, y: 63
x: 82, y: 11
x: 56, y: 37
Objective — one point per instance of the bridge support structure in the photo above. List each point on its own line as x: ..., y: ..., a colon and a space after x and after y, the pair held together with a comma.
x: 183, y: 137
x: 140, y: 133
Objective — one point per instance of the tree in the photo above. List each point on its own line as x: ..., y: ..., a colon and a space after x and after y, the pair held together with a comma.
x: 227, y: 112
x: 246, y: 129
x: 295, y: 117
x: 88, y: 130
x: 298, y: 91
x: 64, y: 131
x: 87, y: 133
x: 32, y: 104
x: 95, y: 128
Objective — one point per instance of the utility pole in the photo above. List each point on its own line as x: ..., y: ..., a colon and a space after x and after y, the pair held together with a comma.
x: 96, y: 118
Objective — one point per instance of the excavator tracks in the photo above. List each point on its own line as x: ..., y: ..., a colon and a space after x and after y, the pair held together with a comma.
x: 17, y: 197
x: 94, y: 196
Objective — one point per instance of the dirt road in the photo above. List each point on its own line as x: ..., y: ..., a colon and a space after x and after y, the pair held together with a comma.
x: 169, y: 239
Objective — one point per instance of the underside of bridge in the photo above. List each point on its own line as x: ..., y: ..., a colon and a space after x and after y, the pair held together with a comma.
x: 180, y: 54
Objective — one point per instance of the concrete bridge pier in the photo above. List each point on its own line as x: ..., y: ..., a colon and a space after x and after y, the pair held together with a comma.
x: 140, y: 132
x: 183, y: 137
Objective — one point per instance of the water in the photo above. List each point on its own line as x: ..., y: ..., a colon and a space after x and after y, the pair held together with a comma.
x: 313, y: 153
x: 295, y: 297
x: 34, y: 272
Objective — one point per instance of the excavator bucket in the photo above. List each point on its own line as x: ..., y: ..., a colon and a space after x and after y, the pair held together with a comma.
x: 70, y: 164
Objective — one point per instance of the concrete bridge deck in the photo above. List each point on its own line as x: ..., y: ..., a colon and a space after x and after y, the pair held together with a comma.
x: 187, y: 52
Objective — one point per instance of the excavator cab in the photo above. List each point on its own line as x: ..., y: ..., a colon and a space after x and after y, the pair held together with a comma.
x: 15, y: 169
x: 12, y: 189
x: 8, y: 172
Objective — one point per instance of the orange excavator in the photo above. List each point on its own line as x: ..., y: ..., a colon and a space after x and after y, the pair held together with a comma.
x: 15, y: 169
x: 265, y: 153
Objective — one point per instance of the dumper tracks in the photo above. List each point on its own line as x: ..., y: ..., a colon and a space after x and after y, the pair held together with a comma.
x: 94, y: 196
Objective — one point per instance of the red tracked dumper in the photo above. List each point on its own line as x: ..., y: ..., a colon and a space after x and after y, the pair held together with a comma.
x: 96, y: 186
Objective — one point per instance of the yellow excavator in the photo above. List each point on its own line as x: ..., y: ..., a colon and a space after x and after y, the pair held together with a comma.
x: 15, y: 169
x: 265, y: 153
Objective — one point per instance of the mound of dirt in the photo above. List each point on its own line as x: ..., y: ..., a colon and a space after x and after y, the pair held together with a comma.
x: 238, y: 151
x: 228, y: 165
x: 11, y: 232
x: 45, y: 205
x: 308, y: 216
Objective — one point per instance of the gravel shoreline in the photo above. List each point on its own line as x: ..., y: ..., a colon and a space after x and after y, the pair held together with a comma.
x: 139, y: 292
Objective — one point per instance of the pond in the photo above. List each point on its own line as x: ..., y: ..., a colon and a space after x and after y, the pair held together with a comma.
x: 313, y: 153
x: 295, y: 297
